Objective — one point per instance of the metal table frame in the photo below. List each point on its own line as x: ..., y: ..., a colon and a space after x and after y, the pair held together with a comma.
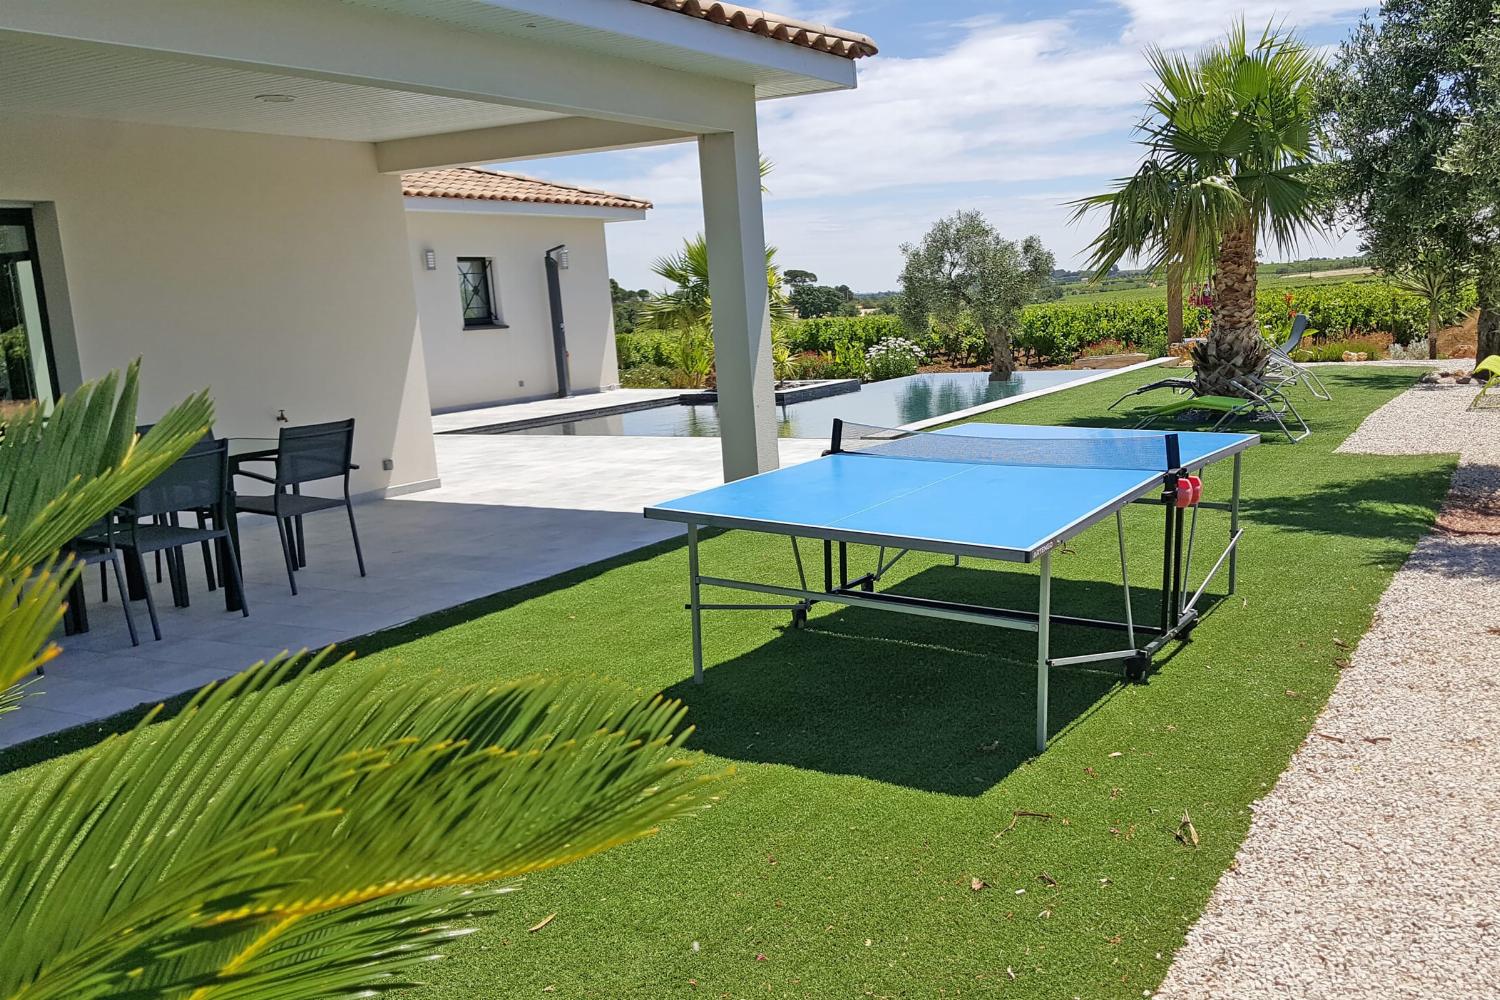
x: 1179, y: 613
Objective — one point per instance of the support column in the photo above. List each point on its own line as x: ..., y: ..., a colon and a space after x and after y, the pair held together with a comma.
x: 735, y: 231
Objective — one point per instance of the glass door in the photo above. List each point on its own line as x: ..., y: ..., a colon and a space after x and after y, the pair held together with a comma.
x: 26, y: 363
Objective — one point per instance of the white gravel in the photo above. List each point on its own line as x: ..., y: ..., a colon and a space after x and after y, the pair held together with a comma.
x: 1372, y: 869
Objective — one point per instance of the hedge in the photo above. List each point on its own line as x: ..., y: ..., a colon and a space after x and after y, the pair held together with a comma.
x: 1057, y: 332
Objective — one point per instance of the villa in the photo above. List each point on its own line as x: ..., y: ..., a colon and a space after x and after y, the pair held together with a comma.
x: 356, y: 616
x: 216, y: 188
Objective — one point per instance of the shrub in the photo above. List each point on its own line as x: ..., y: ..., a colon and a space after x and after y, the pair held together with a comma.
x: 1103, y: 349
x: 963, y: 344
x: 1417, y: 350
x: 646, y: 377
x: 893, y: 357
x: 691, y: 355
x: 812, y: 365
x: 825, y: 333
x: 644, y: 347
x: 847, y: 361
x: 1334, y: 350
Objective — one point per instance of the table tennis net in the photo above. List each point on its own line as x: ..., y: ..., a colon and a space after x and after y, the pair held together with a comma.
x: 1142, y: 452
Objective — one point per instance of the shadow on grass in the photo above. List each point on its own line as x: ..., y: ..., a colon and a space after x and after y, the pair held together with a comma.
x: 1399, y: 507
x: 63, y: 742
x: 919, y: 702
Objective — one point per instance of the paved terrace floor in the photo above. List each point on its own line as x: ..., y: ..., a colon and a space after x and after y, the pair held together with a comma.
x: 513, y: 509
x: 552, y: 410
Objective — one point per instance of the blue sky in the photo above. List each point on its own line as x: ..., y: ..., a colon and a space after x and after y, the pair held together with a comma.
x: 1012, y: 108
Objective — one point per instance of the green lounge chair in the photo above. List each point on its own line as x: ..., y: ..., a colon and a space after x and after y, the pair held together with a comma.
x: 1231, y: 407
x: 1490, y: 367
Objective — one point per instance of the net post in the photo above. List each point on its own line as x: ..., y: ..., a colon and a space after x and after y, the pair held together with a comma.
x: 1174, y: 455
x: 836, y: 444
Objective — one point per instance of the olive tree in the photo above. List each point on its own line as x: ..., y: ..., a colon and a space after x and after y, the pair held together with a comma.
x: 1411, y: 109
x: 963, y: 265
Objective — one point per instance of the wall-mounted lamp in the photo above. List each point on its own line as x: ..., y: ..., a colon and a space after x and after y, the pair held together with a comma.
x: 429, y: 259
x: 559, y: 253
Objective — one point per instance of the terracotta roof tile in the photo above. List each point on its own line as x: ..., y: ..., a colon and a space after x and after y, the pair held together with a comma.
x: 491, y: 185
x: 823, y: 37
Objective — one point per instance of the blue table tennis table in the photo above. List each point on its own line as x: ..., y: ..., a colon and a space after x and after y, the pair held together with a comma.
x: 1012, y: 492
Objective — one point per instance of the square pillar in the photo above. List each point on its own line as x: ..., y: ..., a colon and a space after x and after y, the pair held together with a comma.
x: 735, y: 234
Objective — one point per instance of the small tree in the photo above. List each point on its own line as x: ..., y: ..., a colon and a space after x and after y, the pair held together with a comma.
x: 815, y: 300
x: 964, y: 265
x: 1234, y: 126
x: 1433, y: 276
x: 688, y: 304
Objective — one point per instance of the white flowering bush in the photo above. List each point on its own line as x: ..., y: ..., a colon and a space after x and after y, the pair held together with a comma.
x: 892, y: 357
x: 1415, y: 351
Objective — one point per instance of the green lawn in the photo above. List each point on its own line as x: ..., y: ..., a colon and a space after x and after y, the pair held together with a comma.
x: 879, y: 761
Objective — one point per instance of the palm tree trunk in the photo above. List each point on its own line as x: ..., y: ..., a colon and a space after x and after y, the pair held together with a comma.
x: 1003, y: 365
x: 1174, y: 303
x: 1234, y: 347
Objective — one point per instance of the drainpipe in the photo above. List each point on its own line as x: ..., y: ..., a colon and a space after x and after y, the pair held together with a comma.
x: 557, y: 260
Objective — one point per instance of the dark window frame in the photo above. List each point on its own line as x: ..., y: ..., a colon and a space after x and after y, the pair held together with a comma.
x: 485, y: 270
x: 26, y: 217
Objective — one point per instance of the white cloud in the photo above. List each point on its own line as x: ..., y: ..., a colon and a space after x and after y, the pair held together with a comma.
x: 1000, y: 109
x: 1192, y: 22
x: 1008, y: 102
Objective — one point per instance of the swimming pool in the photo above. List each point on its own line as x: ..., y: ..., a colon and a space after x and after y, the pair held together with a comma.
x: 884, y: 404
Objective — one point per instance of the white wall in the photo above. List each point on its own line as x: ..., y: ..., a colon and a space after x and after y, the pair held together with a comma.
x: 470, y: 367
x: 273, y: 271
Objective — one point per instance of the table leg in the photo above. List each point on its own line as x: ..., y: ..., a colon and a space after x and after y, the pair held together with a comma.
x: 229, y: 548
x: 135, y: 576
x: 1043, y: 649
x: 1234, y: 520
x: 694, y: 604
x: 301, y: 538
x: 76, y: 618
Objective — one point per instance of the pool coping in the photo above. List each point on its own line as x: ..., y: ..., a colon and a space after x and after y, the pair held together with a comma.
x: 974, y: 411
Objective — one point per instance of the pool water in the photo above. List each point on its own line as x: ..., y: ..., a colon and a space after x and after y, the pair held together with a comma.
x: 885, y: 404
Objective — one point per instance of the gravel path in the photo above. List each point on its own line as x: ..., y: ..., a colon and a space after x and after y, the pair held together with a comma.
x: 1372, y: 869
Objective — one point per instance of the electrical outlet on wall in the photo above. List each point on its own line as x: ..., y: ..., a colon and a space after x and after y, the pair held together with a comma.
x: 387, y: 464
x: 521, y: 383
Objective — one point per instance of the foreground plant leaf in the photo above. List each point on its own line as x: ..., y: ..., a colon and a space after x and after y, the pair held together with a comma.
x: 323, y: 827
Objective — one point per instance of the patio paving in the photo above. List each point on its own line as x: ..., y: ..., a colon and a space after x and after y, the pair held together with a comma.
x: 513, y: 509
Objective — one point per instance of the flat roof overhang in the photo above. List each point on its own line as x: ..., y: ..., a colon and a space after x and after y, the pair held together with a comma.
x: 429, y: 82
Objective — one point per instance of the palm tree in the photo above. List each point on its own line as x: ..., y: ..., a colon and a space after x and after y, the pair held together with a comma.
x: 294, y: 831
x: 1434, y: 276
x: 1163, y: 218
x: 688, y: 305
x: 1237, y: 118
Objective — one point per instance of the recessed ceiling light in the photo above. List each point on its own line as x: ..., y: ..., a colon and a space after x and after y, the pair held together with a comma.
x: 275, y: 98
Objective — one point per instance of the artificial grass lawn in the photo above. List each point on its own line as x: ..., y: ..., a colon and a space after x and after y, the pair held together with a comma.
x: 882, y: 762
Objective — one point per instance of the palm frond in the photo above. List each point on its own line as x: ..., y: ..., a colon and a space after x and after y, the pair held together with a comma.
x: 287, y: 816
x: 59, y: 473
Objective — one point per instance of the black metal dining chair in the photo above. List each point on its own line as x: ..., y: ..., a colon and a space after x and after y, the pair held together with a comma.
x: 306, y: 454
x: 206, y: 441
x: 98, y: 548
x: 199, y: 480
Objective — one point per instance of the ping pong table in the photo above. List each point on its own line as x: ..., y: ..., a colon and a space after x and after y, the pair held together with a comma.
x: 1011, y: 492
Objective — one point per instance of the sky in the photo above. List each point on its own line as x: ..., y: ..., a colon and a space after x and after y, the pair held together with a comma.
x: 1013, y: 108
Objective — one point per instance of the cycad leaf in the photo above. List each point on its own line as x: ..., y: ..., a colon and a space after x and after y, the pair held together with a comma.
x: 59, y: 473
x: 292, y: 794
